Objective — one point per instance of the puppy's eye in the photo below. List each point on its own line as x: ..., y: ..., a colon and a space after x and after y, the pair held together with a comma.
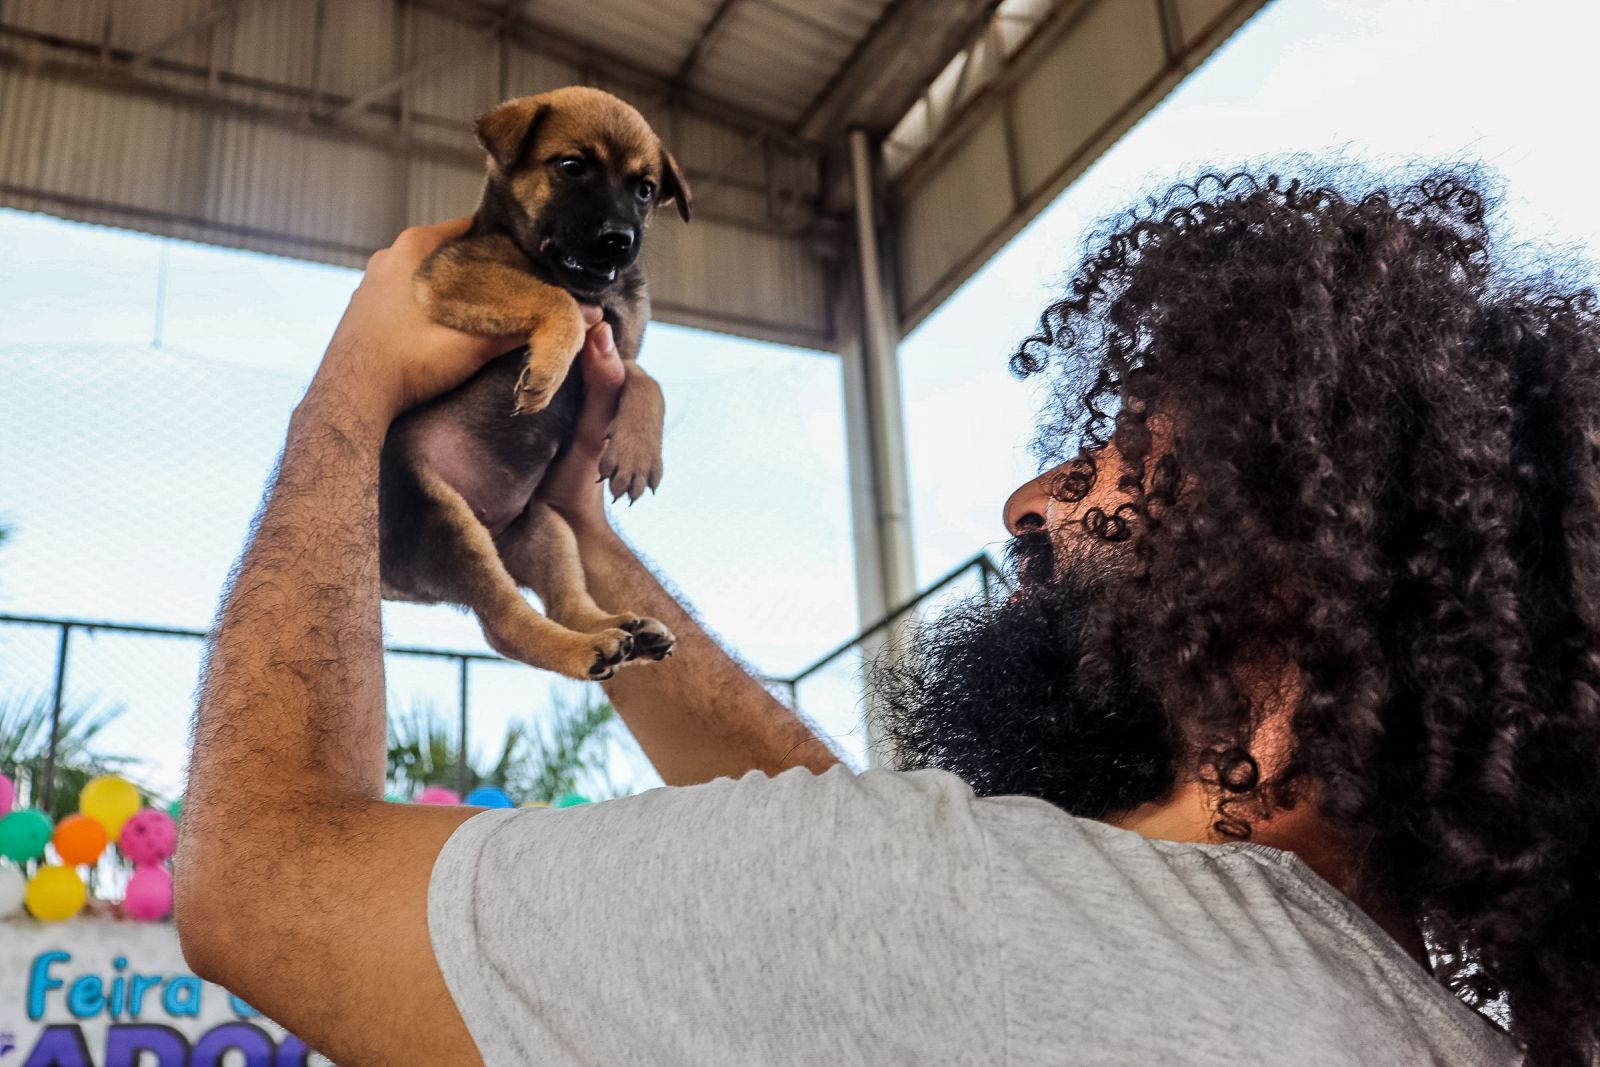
x: 646, y: 190
x: 572, y: 166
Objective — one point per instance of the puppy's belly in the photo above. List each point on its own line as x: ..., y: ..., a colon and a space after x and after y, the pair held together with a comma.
x: 496, y: 491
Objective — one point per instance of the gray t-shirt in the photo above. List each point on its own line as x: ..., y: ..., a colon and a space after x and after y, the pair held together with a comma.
x: 889, y: 918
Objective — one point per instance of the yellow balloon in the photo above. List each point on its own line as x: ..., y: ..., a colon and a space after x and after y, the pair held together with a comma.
x: 109, y: 800
x: 534, y: 804
x: 55, y: 894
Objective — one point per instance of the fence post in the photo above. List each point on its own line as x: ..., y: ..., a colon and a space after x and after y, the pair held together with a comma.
x: 463, y: 784
x: 47, y: 788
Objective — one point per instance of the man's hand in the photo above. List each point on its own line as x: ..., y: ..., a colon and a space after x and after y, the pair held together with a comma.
x: 386, y: 348
x: 573, y: 486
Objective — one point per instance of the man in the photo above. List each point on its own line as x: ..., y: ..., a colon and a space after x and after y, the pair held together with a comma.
x: 1286, y: 747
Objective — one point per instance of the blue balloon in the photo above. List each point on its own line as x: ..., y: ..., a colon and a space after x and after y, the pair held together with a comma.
x: 489, y: 796
x: 571, y: 800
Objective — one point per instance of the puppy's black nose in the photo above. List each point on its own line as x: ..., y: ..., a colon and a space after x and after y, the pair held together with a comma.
x: 614, y: 239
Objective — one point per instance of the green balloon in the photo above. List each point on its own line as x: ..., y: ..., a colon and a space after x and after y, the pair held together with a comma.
x: 175, y: 809
x: 570, y: 800
x: 23, y: 835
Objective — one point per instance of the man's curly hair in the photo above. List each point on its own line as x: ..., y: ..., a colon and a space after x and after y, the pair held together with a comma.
x: 1386, y: 471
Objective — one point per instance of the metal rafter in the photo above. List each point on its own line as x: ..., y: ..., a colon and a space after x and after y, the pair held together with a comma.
x: 420, y: 69
x: 702, y: 44
x: 221, y: 10
x: 911, y: 43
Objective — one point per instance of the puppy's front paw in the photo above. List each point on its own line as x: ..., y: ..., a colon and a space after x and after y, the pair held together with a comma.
x: 631, y: 465
x: 651, y: 639
x: 550, y: 353
x: 534, y: 391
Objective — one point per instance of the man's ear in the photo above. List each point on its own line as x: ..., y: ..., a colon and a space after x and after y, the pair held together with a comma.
x: 673, y: 187
x: 509, y: 131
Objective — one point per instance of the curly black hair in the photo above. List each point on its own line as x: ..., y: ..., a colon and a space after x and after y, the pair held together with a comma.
x: 1385, y: 469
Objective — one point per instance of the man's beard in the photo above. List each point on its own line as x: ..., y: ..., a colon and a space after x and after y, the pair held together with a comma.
x: 998, y: 694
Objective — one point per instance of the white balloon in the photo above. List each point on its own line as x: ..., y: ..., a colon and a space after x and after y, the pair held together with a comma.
x: 12, y: 887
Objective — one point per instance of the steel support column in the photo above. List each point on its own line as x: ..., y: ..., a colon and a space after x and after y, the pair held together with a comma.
x: 880, y: 497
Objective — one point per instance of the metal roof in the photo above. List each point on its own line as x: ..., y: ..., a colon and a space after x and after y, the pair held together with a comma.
x: 318, y: 128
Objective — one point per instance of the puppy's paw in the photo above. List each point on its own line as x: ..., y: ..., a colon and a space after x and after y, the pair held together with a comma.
x: 610, y: 649
x: 632, y: 465
x: 651, y: 639
x: 534, y: 391
x: 550, y: 353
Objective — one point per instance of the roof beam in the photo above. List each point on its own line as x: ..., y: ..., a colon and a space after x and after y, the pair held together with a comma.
x: 546, y: 37
x: 880, y: 81
x: 708, y: 36
x: 420, y: 68
x: 219, y: 11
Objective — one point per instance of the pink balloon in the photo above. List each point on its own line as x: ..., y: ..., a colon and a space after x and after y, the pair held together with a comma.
x: 148, y: 837
x: 8, y: 796
x: 438, y: 794
x: 149, y: 895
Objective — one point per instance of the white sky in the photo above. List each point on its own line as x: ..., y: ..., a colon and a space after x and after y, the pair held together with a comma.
x: 130, y: 472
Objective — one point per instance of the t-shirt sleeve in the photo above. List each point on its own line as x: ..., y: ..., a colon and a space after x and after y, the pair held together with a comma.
x: 834, y: 918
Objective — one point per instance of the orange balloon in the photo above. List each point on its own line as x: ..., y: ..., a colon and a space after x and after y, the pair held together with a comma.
x: 79, y: 839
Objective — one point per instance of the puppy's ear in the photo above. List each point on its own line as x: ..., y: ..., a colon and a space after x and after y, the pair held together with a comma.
x: 673, y: 187
x: 509, y: 131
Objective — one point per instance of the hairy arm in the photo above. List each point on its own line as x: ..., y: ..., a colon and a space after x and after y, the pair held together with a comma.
x: 698, y: 715
x: 298, y: 887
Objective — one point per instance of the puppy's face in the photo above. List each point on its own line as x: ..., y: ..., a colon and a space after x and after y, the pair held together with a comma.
x: 583, y: 173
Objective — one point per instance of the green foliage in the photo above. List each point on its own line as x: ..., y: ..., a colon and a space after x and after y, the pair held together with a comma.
x: 25, y: 744
x: 534, y: 763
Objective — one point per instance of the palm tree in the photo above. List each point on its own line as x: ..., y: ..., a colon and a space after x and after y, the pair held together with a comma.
x: 25, y: 746
x: 533, y: 763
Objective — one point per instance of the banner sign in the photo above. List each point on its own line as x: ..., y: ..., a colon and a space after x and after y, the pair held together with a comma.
x: 105, y: 993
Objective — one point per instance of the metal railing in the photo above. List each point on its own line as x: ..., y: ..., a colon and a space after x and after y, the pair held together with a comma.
x: 987, y: 572
x: 980, y: 567
x: 66, y: 627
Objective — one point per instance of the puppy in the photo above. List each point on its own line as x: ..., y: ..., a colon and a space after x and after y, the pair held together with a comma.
x: 574, y: 177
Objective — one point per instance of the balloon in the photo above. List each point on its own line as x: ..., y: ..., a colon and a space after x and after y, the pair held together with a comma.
x: 149, y: 894
x: 438, y: 794
x: 175, y: 809
x: 571, y: 800
x: 8, y: 795
x: 535, y: 804
x: 12, y: 888
x: 109, y: 800
x: 23, y: 835
x: 489, y: 796
x: 78, y: 839
x: 149, y: 837
x: 55, y: 893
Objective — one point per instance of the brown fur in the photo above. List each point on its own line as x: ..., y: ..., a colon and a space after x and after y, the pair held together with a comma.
x: 458, y: 520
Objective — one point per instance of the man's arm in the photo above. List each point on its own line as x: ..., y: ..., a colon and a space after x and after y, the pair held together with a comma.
x: 698, y: 715
x: 298, y: 887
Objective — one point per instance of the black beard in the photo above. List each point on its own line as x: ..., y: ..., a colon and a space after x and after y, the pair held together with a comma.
x: 999, y: 695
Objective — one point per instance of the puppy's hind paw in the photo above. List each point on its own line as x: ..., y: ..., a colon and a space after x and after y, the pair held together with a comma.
x: 612, y: 648
x: 651, y: 639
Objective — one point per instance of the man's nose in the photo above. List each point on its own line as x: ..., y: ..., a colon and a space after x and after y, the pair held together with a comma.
x: 1026, y: 507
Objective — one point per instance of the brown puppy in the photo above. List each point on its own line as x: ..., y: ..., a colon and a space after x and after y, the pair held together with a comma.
x: 574, y: 176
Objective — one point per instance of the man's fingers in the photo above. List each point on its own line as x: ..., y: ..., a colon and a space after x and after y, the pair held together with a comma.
x: 602, y: 379
x: 591, y: 314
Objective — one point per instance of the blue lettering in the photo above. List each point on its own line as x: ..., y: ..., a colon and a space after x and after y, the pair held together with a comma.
x: 40, y: 982
x: 292, y: 1053
x: 182, y: 996
x: 141, y: 982
x: 60, y: 1046
x: 251, y: 1040
x: 241, y: 1009
x: 126, y: 1046
x: 119, y: 996
x: 86, y: 998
